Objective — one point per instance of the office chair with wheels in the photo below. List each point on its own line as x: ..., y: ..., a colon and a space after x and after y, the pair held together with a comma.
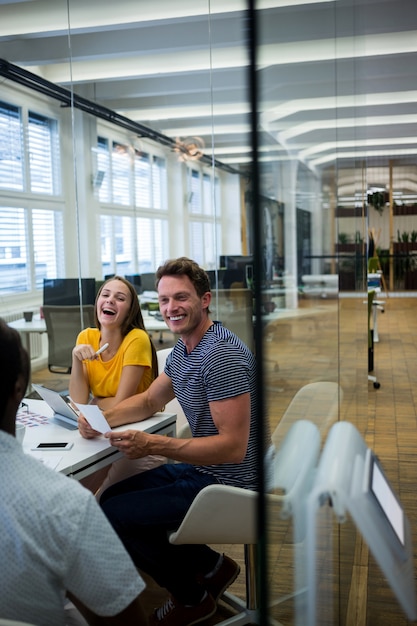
x: 63, y: 323
x: 317, y: 402
x: 371, y: 377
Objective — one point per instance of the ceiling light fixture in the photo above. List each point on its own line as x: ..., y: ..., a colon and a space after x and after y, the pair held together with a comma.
x: 189, y: 149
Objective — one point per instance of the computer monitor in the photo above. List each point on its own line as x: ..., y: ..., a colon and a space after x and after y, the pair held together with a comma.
x: 379, y: 490
x: 136, y: 281
x: 351, y: 476
x: 235, y: 267
x: 66, y: 291
x: 148, y: 281
x: 216, y: 278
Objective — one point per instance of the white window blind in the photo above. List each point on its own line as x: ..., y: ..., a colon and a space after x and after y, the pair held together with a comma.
x: 120, y: 174
x: 117, y: 244
x: 159, y: 183
x: 152, y: 237
x: 203, y: 242
x: 207, y: 207
x: 203, y: 205
x: 11, y: 148
x: 194, y: 192
x: 107, y: 256
x: 43, y: 154
x: 14, y: 269
x: 25, y: 261
x: 48, y: 245
x: 142, y: 180
x: 124, y: 233
x: 102, y: 176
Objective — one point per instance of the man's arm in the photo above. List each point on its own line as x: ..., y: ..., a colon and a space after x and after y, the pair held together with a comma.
x: 142, y: 405
x: 232, y: 419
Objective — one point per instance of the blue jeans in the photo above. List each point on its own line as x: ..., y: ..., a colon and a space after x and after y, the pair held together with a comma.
x: 144, y: 508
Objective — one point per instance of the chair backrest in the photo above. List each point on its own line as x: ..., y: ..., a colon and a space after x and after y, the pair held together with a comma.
x: 63, y: 323
x: 221, y: 514
x: 172, y: 406
x: 317, y: 402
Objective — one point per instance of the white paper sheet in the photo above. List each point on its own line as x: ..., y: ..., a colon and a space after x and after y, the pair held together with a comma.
x: 94, y: 417
x: 50, y: 459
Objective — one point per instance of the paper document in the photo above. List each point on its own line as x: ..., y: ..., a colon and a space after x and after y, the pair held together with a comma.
x: 94, y: 417
x: 49, y: 459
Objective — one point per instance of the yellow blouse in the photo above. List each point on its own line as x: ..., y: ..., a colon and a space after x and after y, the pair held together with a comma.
x: 104, y: 376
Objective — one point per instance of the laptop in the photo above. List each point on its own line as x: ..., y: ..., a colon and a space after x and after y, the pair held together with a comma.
x: 63, y: 412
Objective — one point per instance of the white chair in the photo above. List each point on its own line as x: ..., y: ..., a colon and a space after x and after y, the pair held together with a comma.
x: 317, y: 402
x: 221, y: 514
x: 173, y: 406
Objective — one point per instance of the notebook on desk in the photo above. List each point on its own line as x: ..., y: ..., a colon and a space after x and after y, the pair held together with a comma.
x: 63, y: 412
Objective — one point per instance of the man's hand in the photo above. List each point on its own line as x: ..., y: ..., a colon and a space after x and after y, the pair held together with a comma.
x: 131, y: 442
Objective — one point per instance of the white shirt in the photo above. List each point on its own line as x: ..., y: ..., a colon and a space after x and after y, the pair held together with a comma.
x: 54, y: 537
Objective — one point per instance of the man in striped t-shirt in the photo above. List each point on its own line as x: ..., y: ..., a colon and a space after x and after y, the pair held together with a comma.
x: 212, y: 373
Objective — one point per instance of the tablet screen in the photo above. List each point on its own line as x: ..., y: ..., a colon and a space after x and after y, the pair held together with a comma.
x: 387, y: 500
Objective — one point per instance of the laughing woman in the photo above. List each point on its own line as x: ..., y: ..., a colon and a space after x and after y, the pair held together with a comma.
x: 125, y: 367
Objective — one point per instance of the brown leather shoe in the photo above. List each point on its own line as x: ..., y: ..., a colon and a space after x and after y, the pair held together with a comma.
x: 171, y: 613
x: 218, y: 581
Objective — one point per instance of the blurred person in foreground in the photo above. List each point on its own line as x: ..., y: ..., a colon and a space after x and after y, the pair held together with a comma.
x: 55, y: 542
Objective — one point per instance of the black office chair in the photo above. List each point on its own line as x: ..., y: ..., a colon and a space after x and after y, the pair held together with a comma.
x: 63, y: 323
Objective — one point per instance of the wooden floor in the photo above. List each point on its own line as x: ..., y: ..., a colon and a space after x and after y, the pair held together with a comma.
x: 328, y: 341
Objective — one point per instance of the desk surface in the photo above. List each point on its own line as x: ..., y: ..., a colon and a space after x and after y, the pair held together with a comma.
x: 37, y: 325
x: 87, y: 455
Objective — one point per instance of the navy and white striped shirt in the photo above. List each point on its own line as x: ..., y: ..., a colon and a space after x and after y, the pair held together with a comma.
x: 220, y: 366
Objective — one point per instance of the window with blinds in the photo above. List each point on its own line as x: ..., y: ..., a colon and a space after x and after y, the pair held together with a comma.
x: 133, y: 243
x: 43, y: 148
x: 102, y: 175
x: 120, y: 174
x: 11, y: 147
x: 14, y: 270
x: 153, y: 244
x: 25, y: 261
x: 48, y: 245
x: 203, y: 206
x: 31, y: 239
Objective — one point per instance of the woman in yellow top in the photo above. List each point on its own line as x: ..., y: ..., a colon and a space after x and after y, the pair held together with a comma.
x: 126, y: 367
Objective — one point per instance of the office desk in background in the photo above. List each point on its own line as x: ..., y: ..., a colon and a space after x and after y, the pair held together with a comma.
x: 87, y: 455
x: 37, y: 325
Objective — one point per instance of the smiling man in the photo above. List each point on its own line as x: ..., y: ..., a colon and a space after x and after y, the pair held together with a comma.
x: 212, y: 373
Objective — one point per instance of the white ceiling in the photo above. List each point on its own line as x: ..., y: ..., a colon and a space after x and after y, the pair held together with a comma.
x: 181, y: 68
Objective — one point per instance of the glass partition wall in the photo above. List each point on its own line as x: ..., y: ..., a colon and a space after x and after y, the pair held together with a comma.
x: 236, y: 135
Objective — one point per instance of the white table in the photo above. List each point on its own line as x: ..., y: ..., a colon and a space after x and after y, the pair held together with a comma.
x: 87, y: 455
x: 37, y: 325
x: 154, y: 325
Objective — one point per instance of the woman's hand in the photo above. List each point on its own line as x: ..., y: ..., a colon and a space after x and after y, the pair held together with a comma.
x: 85, y: 429
x: 84, y: 352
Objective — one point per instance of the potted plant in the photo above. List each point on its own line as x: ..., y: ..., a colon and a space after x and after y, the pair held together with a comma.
x: 378, y: 199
